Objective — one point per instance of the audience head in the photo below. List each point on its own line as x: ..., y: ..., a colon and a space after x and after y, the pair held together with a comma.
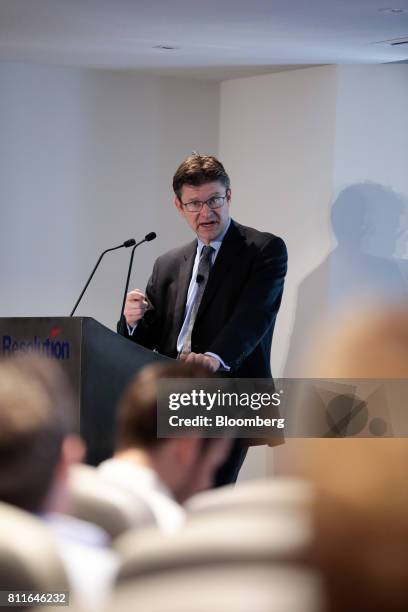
x: 186, y: 465
x: 361, y: 510
x: 37, y: 442
x: 361, y: 524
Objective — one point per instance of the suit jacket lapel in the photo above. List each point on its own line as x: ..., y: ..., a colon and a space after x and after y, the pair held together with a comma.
x: 183, y: 281
x: 227, y: 257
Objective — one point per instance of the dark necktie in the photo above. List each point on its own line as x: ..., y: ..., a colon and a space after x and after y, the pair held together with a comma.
x: 203, y: 273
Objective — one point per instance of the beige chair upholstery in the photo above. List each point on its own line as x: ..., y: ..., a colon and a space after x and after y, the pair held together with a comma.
x: 254, y: 559
x: 250, y: 537
x: 222, y: 588
x: 105, y: 504
x: 288, y: 494
x: 29, y: 557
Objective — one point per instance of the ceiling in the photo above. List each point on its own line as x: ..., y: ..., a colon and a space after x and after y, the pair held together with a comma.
x: 216, y: 39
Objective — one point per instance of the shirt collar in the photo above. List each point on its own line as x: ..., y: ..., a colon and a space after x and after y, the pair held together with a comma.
x: 216, y: 244
x: 145, y: 476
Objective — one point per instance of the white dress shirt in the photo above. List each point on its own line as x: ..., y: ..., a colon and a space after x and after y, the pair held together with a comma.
x: 193, y: 288
x: 146, y: 484
x: 90, y: 564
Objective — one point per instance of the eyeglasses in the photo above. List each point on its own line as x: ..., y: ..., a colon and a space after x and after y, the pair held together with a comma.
x: 197, y: 205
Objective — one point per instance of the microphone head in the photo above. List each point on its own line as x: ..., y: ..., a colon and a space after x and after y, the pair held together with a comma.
x: 199, y: 279
x: 129, y: 243
x: 150, y: 236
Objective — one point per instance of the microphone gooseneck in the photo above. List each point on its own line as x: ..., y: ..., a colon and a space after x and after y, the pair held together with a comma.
x: 148, y: 238
x: 126, y: 244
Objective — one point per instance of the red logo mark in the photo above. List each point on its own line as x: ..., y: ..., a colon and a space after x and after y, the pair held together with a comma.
x: 54, y: 332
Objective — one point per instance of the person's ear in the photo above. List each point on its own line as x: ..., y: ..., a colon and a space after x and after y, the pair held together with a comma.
x: 187, y: 450
x: 178, y: 205
x: 228, y: 194
x: 72, y: 451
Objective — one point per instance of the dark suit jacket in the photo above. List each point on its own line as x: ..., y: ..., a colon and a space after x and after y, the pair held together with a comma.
x: 237, y: 313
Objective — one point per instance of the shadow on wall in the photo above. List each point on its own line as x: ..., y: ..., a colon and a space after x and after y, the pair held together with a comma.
x: 369, y: 263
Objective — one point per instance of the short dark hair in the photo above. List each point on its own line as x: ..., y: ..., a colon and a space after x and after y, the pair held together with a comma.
x: 36, y: 414
x: 196, y: 170
x: 137, y: 410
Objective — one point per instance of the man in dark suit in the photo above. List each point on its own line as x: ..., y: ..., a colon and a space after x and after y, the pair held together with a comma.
x: 215, y: 300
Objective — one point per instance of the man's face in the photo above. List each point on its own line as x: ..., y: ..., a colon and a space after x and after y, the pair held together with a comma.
x: 207, y: 224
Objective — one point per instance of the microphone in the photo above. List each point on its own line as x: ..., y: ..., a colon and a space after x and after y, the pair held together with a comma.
x: 126, y: 244
x: 150, y: 236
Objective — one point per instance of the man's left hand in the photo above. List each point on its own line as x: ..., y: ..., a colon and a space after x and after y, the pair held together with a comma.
x: 206, y: 360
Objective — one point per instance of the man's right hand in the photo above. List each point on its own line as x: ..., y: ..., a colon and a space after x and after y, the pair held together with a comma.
x: 135, y: 306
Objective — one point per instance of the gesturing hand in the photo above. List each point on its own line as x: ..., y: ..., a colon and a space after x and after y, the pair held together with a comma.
x: 135, y: 306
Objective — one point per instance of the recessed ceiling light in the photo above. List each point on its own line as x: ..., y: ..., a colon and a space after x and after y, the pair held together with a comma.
x: 394, y: 11
x: 166, y: 47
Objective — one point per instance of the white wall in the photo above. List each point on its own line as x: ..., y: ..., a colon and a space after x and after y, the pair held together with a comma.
x: 372, y: 146
x: 86, y: 161
x: 87, y: 157
x: 371, y: 185
x: 372, y: 125
x: 277, y: 140
x: 292, y: 141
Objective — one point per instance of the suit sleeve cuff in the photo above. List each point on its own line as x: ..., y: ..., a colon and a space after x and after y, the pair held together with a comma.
x: 131, y: 329
x: 224, y: 365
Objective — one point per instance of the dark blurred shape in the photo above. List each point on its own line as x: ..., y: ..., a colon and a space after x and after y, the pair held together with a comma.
x: 37, y: 448
x: 36, y: 416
